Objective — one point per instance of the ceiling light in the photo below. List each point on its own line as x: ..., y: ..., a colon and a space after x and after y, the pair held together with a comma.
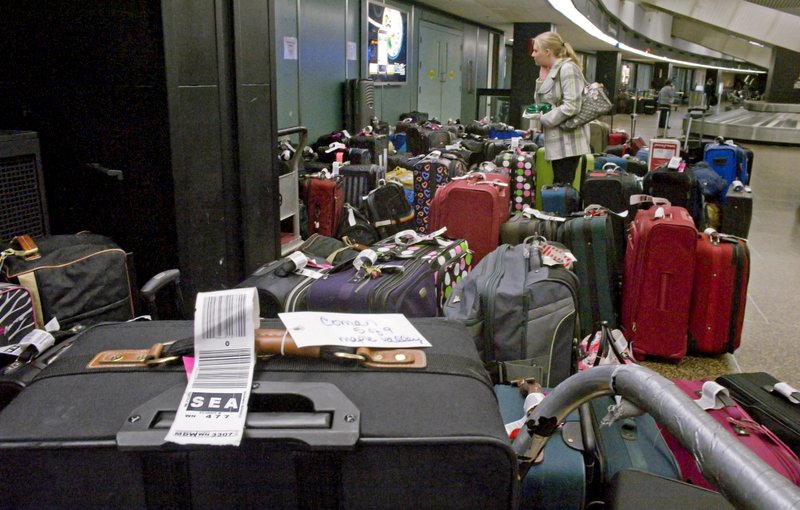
x: 754, y: 43
x: 567, y: 9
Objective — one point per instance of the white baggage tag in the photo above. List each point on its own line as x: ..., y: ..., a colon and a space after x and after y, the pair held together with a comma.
x: 515, y: 142
x: 335, y: 168
x: 389, y: 330
x: 39, y: 339
x: 214, y: 406
x: 528, y: 211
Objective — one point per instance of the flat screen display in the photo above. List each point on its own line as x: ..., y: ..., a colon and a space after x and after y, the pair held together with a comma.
x: 387, y: 43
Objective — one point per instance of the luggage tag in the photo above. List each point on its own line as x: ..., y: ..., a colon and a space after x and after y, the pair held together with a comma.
x: 555, y: 256
x: 785, y: 390
x: 599, y: 210
x: 714, y: 396
x: 529, y: 211
x: 30, y: 346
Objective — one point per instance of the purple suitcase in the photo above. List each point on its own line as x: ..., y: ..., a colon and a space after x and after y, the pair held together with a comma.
x: 428, y: 275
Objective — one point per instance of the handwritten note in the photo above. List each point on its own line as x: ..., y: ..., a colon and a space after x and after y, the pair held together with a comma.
x: 389, y: 330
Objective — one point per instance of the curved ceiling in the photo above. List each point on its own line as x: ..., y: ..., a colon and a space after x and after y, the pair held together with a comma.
x: 720, y: 29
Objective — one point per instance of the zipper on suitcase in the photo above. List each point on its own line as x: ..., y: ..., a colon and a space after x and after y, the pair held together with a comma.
x: 488, y: 293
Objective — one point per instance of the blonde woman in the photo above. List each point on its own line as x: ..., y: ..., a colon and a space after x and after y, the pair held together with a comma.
x: 560, y: 84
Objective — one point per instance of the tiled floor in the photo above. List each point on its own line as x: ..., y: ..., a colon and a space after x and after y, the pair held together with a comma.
x: 771, y: 336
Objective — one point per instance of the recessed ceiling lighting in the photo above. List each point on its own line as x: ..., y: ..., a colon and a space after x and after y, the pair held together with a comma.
x: 567, y: 9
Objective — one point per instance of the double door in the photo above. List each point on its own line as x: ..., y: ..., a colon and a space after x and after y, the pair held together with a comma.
x: 439, y: 71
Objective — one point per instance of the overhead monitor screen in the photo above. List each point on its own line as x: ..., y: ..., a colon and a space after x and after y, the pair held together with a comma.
x: 387, y: 46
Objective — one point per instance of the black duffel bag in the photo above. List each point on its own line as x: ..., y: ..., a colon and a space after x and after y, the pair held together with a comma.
x: 79, y: 279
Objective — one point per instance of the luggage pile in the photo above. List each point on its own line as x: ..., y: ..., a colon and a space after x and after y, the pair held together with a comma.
x: 503, y: 266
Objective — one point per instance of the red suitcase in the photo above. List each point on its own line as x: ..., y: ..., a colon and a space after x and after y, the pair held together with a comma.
x: 617, y: 137
x: 719, y: 294
x: 738, y: 423
x: 656, y: 292
x: 473, y: 207
x: 324, y: 197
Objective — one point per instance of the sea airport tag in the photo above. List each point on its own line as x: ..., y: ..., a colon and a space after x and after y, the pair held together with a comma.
x: 386, y: 330
x: 214, y: 406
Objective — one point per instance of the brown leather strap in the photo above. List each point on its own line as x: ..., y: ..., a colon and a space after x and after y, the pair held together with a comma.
x: 272, y: 342
x: 28, y: 246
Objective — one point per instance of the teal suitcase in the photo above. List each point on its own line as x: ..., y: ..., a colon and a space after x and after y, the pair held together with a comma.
x: 599, y: 269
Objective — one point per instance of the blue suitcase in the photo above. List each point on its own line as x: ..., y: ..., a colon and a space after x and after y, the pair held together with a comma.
x: 559, y: 481
x: 560, y: 199
x: 730, y: 161
x: 600, y: 161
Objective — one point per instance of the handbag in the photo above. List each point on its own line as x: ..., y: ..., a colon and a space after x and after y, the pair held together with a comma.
x: 594, y: 104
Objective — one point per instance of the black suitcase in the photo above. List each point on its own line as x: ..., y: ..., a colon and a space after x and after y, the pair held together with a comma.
x: 359, y: 180
x: 737, y: 213
x: 375, y: 144
x: 374, y: 438
x: 754, y: 392
x: 680, y: 188
x: 521, y: 226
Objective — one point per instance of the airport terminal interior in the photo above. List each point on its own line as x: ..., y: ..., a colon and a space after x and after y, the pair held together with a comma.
x: 158, y: 122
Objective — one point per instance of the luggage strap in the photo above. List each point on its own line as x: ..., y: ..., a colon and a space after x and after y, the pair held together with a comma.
x: 505, y: 372
x: 269, y: 343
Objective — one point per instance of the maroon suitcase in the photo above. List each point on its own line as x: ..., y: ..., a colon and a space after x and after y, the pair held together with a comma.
x: 324, y: 199
x: 738, y: 423
x: 719, y: 293
x: 472, y: 207
x: 617, y: 138
x: 656, y: 292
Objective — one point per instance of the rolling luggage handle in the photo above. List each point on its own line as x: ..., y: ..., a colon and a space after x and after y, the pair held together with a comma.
x: 743, y: 478
x: 328, y: 420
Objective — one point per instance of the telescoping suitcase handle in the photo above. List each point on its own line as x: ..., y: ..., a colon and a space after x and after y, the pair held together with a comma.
x: 315, y: 413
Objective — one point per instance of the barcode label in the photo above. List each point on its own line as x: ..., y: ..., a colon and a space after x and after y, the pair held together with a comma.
x: 224, y: 316
x: 213, y: 409
x: 223, y: 368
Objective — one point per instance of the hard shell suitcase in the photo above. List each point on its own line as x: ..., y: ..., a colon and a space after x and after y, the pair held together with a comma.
x: 719, y: 293
x: 485, y: 198
x: 517, y: 308
x: 598, y: 268
x: 544, y: 174
x: 324, y: 198
x: 737, y: 213
x: 560, y: 199
x: 389, y: 210
x: 657, y: 285
x: 768, y: 401
x: 520, y: 166
x: 531, y: 223
x: 429, y: 273
x: 739, y: 424
x: 95, y: 438
x: 359, y: 180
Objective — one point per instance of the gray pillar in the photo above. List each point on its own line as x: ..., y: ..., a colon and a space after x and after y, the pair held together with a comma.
x: 609, y: 72
x: 784, y: 73
x: 524, y: 70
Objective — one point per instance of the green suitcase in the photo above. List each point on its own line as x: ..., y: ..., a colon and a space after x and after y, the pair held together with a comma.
x: 599, y: 269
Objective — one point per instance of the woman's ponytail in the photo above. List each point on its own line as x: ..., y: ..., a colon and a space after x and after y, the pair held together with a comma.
x: 570, y: 53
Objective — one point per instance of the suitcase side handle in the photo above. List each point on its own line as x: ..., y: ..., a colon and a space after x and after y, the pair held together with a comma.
x: 317, y: 414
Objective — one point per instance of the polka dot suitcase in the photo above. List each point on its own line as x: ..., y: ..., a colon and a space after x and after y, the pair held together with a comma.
x: 520, y: 167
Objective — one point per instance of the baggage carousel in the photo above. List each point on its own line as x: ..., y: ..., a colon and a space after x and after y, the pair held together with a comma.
x: 754, y: 121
